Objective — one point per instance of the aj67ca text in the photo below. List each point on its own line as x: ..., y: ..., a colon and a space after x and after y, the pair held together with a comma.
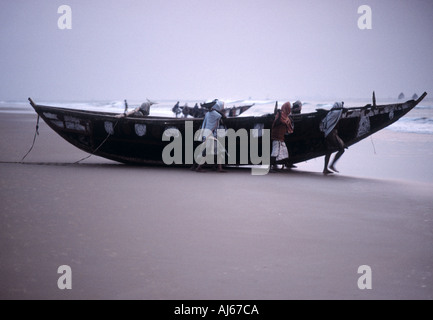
x: 228, y: 310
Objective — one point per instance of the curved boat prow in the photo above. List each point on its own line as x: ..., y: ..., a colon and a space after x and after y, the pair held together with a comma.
x: 32, y: 103
x: 421, y: 98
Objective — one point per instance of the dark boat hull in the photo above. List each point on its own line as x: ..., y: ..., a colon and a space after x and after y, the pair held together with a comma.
x: 140, y: 140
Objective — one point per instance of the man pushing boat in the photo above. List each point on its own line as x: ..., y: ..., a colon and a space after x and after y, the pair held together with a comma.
x: 211, y: 123
x: 333, y: 141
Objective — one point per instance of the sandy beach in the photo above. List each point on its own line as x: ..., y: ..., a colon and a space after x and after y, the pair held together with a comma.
x: 168, y: 233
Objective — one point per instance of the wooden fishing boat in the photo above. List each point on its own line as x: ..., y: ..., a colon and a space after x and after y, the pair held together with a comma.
x: 139, y: 140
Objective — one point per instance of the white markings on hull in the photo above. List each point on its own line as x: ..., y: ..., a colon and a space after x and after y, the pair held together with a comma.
x: 73, y: 123
x: 109, y: 127
x: 140, y: 129
x: 364, y: 126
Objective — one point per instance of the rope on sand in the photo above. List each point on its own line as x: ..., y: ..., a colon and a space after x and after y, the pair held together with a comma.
x: 372, y: 142
x: 34, y: 140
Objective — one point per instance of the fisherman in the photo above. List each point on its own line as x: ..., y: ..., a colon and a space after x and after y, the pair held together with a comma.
x: 333, y: 141
x: 196, y: 111
x: 176, y: 109
x: 297, y: 107
x: 282, y: 124
x: 141, y: 111
x: 186, y: 110
x: 212, y: 122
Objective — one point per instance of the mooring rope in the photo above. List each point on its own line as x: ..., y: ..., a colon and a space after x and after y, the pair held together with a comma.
x: 372, y: 142
x: 101, y: 144
x: 34, y: 140
x: 76, y: 162
x: 106, y: 138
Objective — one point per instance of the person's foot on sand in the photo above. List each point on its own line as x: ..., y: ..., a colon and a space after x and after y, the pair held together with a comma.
x: 274, y: 169
x: 326, y: 172
x: 220, y: 169
x: 288, y: 168
x: 333, y: 169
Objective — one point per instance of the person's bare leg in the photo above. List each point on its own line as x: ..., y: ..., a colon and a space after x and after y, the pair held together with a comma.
x: 337, y: 156
x: 200, y: 169
x: 220, y: 168
x: 325, y: 169
x: 288, y: 165
x: 274, y: 166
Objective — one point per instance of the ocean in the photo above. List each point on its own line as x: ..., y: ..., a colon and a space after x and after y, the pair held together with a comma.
x: 418, y: 121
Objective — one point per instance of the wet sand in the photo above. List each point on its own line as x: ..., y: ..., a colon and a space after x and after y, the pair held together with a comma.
x: 168, y: 233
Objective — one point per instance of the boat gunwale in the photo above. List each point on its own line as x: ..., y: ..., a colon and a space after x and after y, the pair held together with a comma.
x: 112, y: 115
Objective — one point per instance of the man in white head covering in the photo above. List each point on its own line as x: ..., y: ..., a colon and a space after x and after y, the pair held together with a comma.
x: 333, y: 141
x: 142, y: 111
x: 210, y: 125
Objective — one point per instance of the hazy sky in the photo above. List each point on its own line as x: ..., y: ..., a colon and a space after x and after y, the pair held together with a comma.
x: 199, y: 49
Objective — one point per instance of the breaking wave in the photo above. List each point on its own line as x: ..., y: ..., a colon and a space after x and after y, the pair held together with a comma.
x: 422, y: 125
